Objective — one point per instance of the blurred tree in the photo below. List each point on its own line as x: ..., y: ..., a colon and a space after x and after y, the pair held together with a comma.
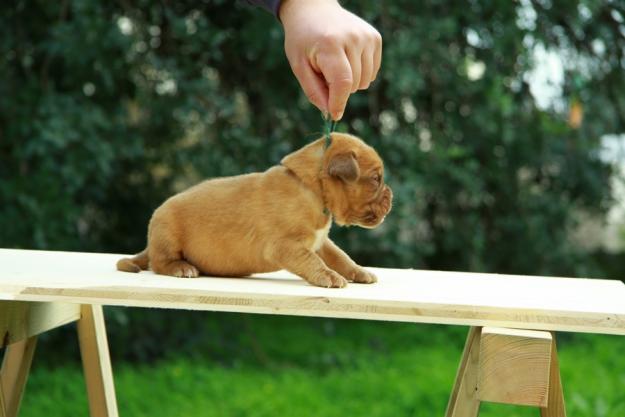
x: 107, y: 108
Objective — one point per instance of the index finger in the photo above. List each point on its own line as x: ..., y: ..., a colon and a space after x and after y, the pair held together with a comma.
x: 337, y: 72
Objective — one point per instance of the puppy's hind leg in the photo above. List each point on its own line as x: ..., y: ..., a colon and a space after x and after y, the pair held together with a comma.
x: 180, y: 269
x: 166, y: 257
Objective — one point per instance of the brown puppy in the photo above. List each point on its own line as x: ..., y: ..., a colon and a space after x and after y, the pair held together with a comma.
x: 277, y: 219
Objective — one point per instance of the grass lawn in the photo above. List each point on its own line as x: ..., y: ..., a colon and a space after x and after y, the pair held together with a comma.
x: 314, y: 367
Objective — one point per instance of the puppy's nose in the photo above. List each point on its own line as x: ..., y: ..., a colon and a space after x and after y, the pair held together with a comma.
x: 387, y: 199
x: 390, y: 192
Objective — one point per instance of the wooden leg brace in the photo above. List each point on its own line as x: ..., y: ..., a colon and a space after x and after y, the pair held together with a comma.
x: 508, y: 366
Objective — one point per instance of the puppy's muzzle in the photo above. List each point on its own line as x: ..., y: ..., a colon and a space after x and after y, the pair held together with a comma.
x: 379, y: 208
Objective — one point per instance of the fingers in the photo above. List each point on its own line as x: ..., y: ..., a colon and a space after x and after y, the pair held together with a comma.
x: 312, y: 84
x: 337, y: 71
x: 341, y: 50
x: 367, y: 65
x: 377, y: 55
x: 346, y: 71
x: 357, y: 64
x: 371, y: 60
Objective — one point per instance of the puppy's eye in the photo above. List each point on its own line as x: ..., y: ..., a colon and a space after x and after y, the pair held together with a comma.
x: 376, y: 178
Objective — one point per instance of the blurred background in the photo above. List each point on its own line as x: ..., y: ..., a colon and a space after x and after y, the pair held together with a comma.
x: 502, y: 126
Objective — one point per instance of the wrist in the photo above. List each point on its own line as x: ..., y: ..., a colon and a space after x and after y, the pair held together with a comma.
x: 290, y: 8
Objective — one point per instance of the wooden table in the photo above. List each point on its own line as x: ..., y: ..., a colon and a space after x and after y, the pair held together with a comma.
x: 510, y: 355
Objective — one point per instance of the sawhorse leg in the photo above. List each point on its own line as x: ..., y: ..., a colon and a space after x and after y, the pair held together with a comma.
x: 21, y: 322
x: 3, y: 410
x: 15, y: 368
x: 508, y: 366
x: 96, y: 362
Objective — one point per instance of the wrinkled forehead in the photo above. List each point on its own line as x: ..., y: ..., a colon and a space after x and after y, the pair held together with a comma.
x: 369, y: 160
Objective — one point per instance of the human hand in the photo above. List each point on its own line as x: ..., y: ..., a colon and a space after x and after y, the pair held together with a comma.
x: 332, y: 52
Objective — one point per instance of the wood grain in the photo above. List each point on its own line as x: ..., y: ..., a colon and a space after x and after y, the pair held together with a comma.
x: 464, y: 401
x: 555, y: 407
x: 514, y: 366
x: 96, y: 362
x: 541, y: 303
x: 3, y: 411
x: 15, y: 367
x: 20, y: 319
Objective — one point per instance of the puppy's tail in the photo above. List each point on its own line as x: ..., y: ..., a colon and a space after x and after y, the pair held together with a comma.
x: 135, y: 264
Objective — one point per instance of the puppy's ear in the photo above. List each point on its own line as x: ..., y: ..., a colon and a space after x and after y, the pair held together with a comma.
x: 344, y: 166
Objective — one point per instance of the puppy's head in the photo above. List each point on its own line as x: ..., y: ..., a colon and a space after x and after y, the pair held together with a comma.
x: 352, y: 176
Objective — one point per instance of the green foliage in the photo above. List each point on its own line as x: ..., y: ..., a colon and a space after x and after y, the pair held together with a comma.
x: 108, y: 108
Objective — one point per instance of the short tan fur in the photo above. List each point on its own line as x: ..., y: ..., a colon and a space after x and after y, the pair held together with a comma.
x: 277, y: 219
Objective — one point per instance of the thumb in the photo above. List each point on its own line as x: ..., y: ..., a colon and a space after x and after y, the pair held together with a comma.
x: 337, y: 73
x: 313, y: 84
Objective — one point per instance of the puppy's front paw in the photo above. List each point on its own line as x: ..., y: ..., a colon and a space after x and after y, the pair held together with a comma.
x: 362, y: 276
x: 329, y: 279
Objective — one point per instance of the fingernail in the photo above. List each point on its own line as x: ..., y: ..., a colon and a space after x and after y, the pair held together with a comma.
x: 338, y: 116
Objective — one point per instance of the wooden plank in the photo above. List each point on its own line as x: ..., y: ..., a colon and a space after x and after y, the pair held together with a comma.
x: 15, y: 369
x: 541, y: 303
x: 3, y: 411
x: 464, y: 401
x: 20, y: 320
x: 96, y: 362
x: 555, y: 407
x: 514, y: 366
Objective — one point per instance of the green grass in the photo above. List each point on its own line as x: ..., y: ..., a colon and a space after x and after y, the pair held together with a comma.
x: 323, y: 368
